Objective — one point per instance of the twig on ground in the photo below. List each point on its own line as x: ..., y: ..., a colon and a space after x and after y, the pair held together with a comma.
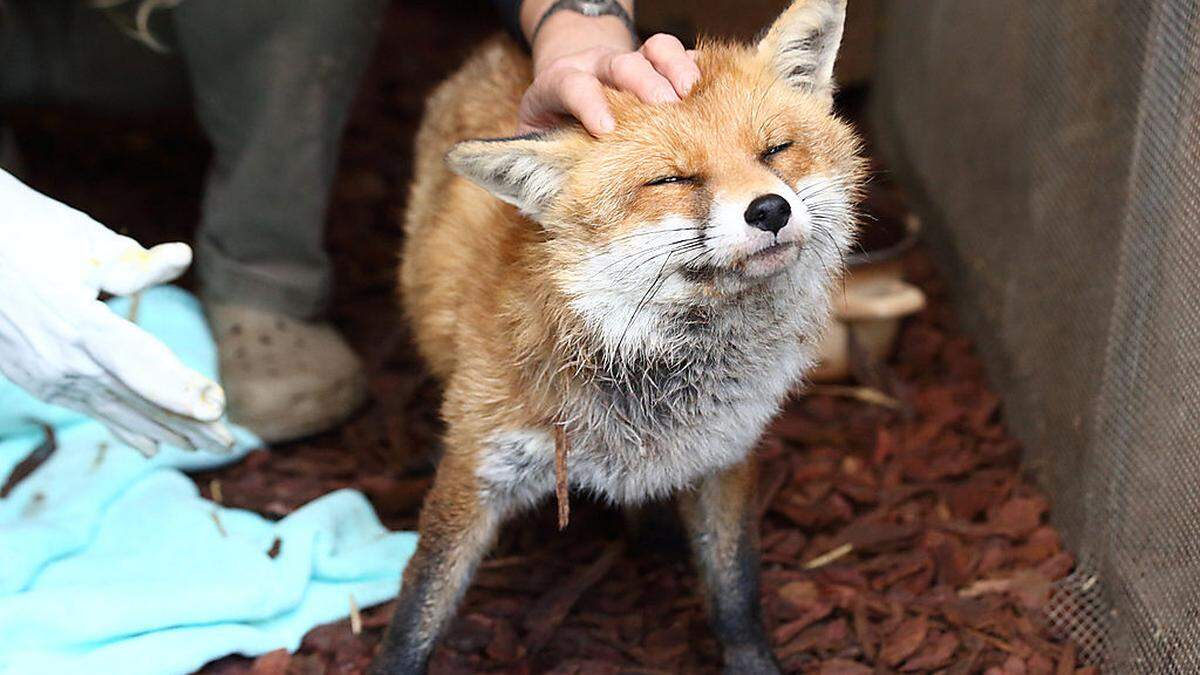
x: 549, y: 611
x: 101, y: 454
x: 827, y: 558
x: 355, y: 617
x: 510, y: 561
x: 864, y: 394
x: 31, y: 462
x: 217, y: 521
x: 775, y: 483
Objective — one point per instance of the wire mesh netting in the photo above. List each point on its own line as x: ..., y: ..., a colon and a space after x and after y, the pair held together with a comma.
x: 1055, y: 147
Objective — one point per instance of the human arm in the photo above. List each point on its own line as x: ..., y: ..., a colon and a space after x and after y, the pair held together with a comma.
x: 575, y: 56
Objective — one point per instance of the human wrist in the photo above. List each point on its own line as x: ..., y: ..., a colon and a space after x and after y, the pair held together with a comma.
x: 568, y: 32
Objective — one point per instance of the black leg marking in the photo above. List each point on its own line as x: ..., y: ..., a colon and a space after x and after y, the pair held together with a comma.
x: 719, y: 518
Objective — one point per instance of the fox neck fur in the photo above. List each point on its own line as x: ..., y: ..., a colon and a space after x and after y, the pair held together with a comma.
x: 689, y: 392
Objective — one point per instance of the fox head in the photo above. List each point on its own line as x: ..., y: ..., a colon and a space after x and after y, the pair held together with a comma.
x: 749, y: 179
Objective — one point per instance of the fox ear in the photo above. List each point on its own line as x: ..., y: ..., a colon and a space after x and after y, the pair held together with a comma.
x: 802, y: 44
x: 525, y: 171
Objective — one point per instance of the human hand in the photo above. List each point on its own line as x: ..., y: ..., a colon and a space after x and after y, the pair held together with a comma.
x: 575, y: 57
x: 64, y: 346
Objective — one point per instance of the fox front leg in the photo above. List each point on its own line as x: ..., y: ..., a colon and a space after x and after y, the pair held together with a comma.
x: 719, y: 516
x: 457, y: 527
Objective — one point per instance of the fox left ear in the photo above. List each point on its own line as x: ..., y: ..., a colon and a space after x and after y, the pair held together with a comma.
x: 527, y: 171
x: 802, y: 44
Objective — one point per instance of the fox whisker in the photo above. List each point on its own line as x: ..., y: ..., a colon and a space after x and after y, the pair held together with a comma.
x: 649, y: 255
x: 642, y: 303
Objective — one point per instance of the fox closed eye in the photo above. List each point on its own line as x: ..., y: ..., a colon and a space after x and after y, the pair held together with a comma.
x: 775, y: 150
x: 667, y: 180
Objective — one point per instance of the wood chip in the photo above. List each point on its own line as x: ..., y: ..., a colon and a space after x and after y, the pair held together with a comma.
x: 135, y: 305
x: 355, y: 616
x: 844, y: 667
x: 938, y: 652
x: 34, y: 506
x: 905, y: 641
x: 774, y: 484
x: 214, y: 489
x: 32, y: 461
x: 863, y: 394
x: 830, y: 557
x: 1066, y: 660
x: 549, y: 611
x: 562, y: 486
x: 862, y: 628
x: 101, y: 454
x: 1002, y: 645
x: 217, y: 521
x: 272, y: 663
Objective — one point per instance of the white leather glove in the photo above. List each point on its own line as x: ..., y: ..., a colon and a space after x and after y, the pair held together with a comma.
x: 64, y: 346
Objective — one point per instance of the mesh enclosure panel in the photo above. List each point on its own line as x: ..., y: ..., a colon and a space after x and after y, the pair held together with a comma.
x: 1054, y: 148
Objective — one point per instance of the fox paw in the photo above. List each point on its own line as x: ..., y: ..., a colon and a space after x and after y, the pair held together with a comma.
x: 750, y: 660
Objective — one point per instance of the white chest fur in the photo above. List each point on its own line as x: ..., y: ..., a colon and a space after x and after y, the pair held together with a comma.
x: 644, y: 429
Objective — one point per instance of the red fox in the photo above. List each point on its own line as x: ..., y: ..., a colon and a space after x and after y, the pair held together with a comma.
x: 651, y: 296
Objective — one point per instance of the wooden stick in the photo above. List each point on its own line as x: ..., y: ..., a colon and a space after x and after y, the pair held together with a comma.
x: 135, y: 303
x: 864, y: 394
x: 31, y: 462
x: 827, y: 558
x: 561, y: 484
x: 356, y: 624
x: 217, y: 521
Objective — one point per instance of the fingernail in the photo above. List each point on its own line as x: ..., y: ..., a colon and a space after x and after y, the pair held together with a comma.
x: 689, y: 83
x: 607, y: 125
x: 211, y: 403
x: 176, y: 253
x: 147, y: 446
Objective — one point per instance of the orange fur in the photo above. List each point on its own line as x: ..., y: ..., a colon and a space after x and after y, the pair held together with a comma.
x: 487, y: 286
x: 475, y: 272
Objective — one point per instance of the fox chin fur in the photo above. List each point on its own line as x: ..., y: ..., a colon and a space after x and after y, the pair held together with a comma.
x: 656, y: 293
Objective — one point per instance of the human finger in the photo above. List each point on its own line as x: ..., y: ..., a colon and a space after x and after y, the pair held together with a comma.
x: 137, y: 268
x: 668, y: 56
x: 143, y: 363
x: 580, y: 95
x: 143, y: 444
x: 633, y: 72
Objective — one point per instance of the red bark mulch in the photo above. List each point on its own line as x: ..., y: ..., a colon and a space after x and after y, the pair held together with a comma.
x: 946, y: 558
x: 936, y: 552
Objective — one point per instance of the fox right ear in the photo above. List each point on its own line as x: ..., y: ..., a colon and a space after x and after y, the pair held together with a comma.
x: 525, y: 171
x: 803, y: 42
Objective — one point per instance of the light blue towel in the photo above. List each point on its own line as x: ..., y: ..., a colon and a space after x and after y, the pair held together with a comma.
x: 112, y: 563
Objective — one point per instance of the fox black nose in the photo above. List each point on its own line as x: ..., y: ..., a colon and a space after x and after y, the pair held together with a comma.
x: 769, y: 213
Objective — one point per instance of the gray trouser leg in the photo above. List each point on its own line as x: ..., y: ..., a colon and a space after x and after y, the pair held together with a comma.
x: 273, y: 81
x: 66, y: 52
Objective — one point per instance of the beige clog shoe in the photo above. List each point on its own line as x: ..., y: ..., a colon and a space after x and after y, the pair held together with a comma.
x: 284, y: 379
